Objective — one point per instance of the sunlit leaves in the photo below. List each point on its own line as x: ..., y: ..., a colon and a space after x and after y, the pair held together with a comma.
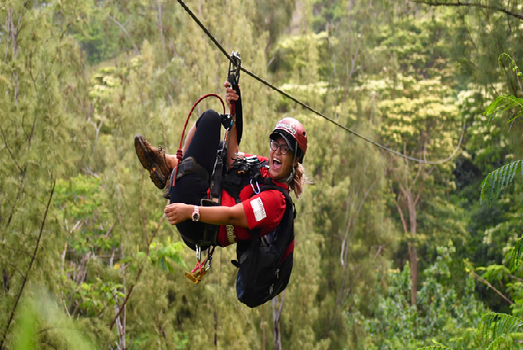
x: 163, y: 256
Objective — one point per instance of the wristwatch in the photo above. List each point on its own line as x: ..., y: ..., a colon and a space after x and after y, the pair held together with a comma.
x: 196, y: 213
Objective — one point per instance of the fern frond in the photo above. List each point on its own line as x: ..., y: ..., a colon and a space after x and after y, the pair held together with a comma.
x: 498, y: 179
x: 494, y: 325
x: 507, y: 174
x: 506, y: 56
x: 515, y: 257
x: 496, y: 344
x: 502, y: 104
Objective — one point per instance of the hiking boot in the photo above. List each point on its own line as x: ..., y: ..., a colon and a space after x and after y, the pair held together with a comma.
x: 153, y: 160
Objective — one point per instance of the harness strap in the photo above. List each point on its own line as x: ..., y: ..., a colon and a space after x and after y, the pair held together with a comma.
x: 290, y: 249
x: 216, y: 179
x: 189, y: 166
x: 210, y: 233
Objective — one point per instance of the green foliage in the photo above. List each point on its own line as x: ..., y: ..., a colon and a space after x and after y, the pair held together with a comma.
x: 446, y: 313
x: 515, y: 255
x: 385, y: 70
x: 500, y: 343
x: 494, y: 328
x: 504, y: 103
x: 163, y: 255
x: 498, y: 179
x: 501, y: 177
x: 42, y: 324
x: 433, y: 347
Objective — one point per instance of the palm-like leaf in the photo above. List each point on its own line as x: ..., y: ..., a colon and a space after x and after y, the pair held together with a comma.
x: 514, y: 256
x: 501, y: 342
x: 494, y: 326
x: 499, y: 178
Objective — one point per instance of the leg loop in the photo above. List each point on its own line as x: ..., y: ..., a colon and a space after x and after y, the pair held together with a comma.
x: 189, y: 166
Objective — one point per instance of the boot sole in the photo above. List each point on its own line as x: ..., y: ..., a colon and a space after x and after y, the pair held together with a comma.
x: 143, y: 156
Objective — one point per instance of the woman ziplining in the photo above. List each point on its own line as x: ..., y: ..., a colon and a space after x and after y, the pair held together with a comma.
x: 255, y: 210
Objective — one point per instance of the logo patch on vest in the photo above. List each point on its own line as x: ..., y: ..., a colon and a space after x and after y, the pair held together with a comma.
x: 258, y: 209
x: 230, y: 234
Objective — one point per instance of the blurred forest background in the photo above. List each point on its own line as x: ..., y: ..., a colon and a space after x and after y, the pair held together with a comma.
x: 390, y: 254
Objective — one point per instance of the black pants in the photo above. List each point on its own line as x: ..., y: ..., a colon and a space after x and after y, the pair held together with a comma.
x: 191, y: 188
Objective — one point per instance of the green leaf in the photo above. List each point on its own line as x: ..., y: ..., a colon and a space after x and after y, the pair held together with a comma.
x: 506, y: 56
x: 515, y: 258
x: 503, y: 103
x: 498, y: 179
x: 494, y: 325
x: 496, y: 344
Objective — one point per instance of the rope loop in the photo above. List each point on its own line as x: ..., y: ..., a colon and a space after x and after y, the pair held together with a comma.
x: 179, y: 153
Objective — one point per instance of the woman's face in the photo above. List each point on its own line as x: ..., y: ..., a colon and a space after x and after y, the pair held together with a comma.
x: 280, y: 165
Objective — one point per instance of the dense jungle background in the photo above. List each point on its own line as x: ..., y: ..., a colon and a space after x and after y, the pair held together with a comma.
x: 390, y: 254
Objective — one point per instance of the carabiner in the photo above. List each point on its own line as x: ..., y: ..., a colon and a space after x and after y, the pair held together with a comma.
x: 254, y: 189
x: 198, y: 253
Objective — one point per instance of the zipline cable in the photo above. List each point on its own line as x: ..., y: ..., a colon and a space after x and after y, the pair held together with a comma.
x: 254, y: 76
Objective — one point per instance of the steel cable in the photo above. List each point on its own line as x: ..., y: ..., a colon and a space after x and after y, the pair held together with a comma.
x: 254, y: 76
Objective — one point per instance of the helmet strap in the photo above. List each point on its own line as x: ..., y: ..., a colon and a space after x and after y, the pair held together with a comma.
x: 293, y: 172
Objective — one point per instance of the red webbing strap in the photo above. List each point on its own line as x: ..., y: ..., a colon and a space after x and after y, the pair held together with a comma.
x: 198, y: 266
x: 288, y: 251
x: 179, y: 152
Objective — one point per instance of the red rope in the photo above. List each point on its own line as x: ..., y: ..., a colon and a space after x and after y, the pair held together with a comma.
x: 179, y: 152
x: 198, y: 266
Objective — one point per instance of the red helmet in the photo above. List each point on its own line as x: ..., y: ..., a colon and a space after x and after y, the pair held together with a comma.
x: 293, y: 133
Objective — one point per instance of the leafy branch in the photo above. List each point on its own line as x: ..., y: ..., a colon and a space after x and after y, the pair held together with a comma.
x: 29, y: 268
x: 501, y: 177
x: 502, y: 104
x: 494, y: 329
x: 139, y: 273
x: 459, y: 3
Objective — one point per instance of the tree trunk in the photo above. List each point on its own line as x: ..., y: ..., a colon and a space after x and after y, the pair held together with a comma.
x: 262, y: 326
x: 276, y: 315
x: 215, y: 328
x: 6, y: 281
x: 413, y: 250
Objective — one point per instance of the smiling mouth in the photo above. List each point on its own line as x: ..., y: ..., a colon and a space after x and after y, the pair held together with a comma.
x: 276, y: 164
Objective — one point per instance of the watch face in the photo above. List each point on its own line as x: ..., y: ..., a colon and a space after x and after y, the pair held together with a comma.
x: 195, y: 216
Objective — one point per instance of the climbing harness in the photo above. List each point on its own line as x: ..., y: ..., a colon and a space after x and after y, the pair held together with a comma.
x: 189, y: 165
x: 265, y: 262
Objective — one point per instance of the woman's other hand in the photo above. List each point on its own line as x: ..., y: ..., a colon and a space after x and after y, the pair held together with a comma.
x: 178, y: 212
x: 230, y: 94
